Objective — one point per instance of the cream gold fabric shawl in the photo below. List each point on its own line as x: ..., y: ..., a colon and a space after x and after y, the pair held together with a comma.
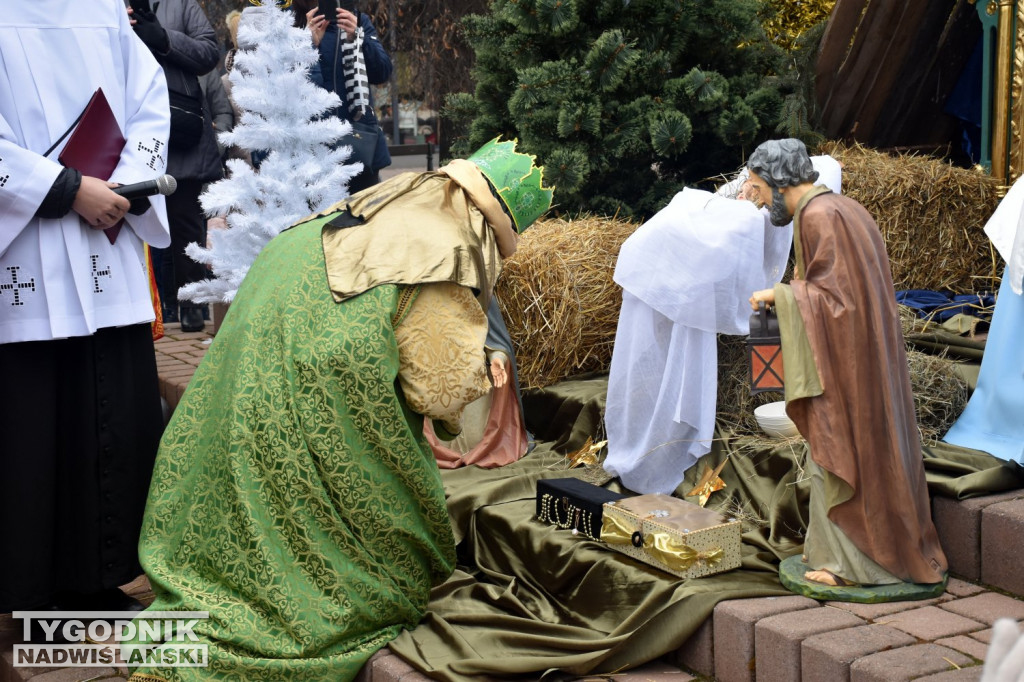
x: 444, y: 226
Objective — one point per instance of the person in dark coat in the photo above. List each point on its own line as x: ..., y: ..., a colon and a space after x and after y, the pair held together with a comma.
x: 181, y: 38
x: 222, y: 112
x: 329, y: 73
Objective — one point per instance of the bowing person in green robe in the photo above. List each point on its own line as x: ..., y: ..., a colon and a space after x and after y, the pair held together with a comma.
x: 294, y: 496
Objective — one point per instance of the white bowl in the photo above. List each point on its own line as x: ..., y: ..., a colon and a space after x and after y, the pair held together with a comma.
x: 773, y: 420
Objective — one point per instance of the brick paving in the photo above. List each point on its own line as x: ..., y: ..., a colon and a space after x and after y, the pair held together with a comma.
x: 959, y: 523
x: 734, y: 625
x: 828, y: 655
x: 778, y: 640
x: 178, y: 354
x: 908, y: 663
x: 1002, y: 526
x: 769, y: 639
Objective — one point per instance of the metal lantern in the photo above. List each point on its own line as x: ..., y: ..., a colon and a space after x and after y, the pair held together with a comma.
x: 765, y: 346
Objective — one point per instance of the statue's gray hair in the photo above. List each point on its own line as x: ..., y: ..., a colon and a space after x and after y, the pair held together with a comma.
x: 782, y: 163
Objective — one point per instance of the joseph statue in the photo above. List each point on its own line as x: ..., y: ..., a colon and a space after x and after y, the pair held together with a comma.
x: 847, y: 383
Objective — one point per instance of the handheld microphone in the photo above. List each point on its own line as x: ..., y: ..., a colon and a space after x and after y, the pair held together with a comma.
x: 165, y: 185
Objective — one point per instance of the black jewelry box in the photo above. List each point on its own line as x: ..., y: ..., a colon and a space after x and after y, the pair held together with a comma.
x: 572, y: 503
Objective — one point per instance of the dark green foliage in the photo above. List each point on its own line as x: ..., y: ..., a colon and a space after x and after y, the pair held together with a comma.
x: 738, y: 123
x: 626, y: 100
x: 610, y: 60
x: 670, y: 133
x: 766, y: 104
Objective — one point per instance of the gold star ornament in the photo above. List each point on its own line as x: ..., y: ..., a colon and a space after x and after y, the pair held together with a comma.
x: 586, y: 455
x: 709, y: 482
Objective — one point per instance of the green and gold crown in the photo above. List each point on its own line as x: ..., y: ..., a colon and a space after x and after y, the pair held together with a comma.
x: 519, y: 182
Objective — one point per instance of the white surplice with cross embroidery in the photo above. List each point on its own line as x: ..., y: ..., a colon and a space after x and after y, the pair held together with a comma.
x: 60, y: 278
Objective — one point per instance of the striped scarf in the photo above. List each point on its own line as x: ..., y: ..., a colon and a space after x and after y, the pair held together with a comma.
x: 357, y: 86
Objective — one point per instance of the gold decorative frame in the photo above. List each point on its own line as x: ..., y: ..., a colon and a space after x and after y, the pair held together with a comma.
x: 1016, y: 160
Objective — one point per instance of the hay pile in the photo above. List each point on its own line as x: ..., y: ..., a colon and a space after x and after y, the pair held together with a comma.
x: 940, y: 393
x: 559, y: 300
x: 931, y: 215
x: 562, y: 307
x: 735, y: 404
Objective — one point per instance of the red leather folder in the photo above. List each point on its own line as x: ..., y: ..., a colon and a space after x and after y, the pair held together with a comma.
x: 94, y: 147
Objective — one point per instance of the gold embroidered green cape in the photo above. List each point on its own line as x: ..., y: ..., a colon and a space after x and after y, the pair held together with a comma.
x: 294, y: 496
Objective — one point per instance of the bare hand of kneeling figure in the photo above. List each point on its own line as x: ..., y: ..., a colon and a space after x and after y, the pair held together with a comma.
x: 498, y: 370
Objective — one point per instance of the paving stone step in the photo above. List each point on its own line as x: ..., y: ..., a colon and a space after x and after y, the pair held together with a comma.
x: 963, y: 536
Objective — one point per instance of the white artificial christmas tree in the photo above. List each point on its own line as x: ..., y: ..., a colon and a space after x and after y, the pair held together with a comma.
x: 281, y: 113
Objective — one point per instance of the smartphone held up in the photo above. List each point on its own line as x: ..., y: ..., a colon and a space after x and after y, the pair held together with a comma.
x: 329, y: 8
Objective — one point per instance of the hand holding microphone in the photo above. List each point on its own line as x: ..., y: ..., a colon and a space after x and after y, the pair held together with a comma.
x: 137, y: 192
x: 165, y: 184
x: 96, y: 203
x: 100, y: 210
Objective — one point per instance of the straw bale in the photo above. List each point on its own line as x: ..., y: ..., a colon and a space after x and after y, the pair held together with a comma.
x: 559, y: 300
x: 931, y: 215
x: 910, y: 323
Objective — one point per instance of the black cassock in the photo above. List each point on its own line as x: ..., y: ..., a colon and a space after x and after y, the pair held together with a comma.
x: 80, y: 423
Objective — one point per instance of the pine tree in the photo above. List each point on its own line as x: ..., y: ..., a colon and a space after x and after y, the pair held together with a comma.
x: 283, y: 114
x: 625, y: 100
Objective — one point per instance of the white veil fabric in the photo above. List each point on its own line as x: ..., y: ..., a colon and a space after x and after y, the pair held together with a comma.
x: 687, y: 275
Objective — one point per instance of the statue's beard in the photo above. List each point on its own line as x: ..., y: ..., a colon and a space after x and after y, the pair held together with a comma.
x: 778, y: 214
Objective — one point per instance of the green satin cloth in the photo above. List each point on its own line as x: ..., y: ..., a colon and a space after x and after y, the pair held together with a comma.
x: 937, y: 339
x: 294, y: 496
x: 530, y: 600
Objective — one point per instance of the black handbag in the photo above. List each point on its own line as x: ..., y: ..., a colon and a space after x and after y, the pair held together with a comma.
x: 187, y: 120
x: 364, y: 140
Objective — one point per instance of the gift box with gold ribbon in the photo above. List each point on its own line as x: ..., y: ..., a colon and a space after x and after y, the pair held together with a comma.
x: 674, y: 535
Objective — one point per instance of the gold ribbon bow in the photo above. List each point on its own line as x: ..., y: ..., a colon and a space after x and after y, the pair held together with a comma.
x: 659, y: 546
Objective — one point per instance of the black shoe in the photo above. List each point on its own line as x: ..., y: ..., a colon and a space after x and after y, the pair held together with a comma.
x: 170, y: 314
x: 192, y: 319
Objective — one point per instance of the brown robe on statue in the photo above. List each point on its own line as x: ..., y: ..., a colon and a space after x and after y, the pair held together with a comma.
x: 860, y: 423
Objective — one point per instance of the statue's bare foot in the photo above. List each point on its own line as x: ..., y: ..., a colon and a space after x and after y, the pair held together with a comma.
x: 804, y: 558
x: 826, y: 578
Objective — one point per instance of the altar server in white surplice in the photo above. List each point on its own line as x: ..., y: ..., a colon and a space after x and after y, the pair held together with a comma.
x: 684, y: 275
x: 80, y: 418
